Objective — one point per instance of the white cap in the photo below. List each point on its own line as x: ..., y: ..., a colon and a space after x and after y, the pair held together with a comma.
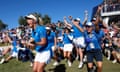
x: 72, y: 30
x: 60, y: 37
x: 94, y: 19
x: 77, y: 19
x: 47, y: 28
x: 31, y: 16
x: 89, y: 24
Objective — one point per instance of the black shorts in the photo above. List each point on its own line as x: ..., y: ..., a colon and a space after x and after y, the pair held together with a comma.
x: 94, y: 54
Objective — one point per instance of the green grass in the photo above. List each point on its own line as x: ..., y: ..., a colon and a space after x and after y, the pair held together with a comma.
x: 17, y: 66
x: 4, y: 44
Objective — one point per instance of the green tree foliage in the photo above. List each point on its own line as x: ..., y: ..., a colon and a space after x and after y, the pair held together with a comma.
x: 46, y: 19
x: 3, y: 25
x: 37, y: 14
x: 22, y: 21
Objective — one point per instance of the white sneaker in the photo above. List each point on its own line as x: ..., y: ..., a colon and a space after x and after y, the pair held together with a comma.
x: 69, y: 63
x: 2, y: 61
x: 80, y: 65
x: 77, y: 58
x: 108, y: 58
x: 85, y: 59
x: 56, y: 63
x: 114, y: 61
x: 31, y: 64
x: 94, y: 67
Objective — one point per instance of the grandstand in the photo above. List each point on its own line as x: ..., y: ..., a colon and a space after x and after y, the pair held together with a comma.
x: 110, y: 11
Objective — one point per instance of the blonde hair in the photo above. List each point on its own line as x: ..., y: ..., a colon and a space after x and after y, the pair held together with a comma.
x: 40, y: 21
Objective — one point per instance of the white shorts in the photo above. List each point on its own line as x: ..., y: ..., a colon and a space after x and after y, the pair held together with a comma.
x: 61, y: 48
x: 14, y: 54
x: 68, y: 47
x: 42, y: 57
x: 53, y: 48
x: 79, y: 42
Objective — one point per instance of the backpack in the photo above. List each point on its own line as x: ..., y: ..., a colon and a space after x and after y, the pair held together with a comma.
x: 23, y: 55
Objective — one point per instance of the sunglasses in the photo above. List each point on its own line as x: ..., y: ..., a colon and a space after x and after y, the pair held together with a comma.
x: 88, y: 26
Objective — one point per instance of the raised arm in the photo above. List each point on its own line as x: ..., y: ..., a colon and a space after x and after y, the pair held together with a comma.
x: 79, y: 27
x: 85, y: 21
x: 66, y: 23
x: 85, y: 18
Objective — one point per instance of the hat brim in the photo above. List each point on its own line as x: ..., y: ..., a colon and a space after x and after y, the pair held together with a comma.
x: 89, y: 25
x: 93, y: 20
x: 26, y: 17
x: 76, y: 20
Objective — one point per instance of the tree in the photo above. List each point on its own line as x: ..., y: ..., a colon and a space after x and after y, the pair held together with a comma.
x: 37, y: 14
x: 3, y: 25
x: 46, y: 19
x: 22, y: 21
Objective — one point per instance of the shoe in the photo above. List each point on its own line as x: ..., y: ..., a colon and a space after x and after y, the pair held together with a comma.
x: 108, y: 58
x: 2, y: 61
x: 66, y: 59
x: 80, y: 65
x: 114, y: 61
x: 56, y: 63
x: 85, y: 59
x: 69, y: 63
x: 31, y: 64
x: 94, y: 67
x: 77, y: 58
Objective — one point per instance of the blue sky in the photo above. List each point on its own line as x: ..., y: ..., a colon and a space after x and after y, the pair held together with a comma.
x: 11, y: 10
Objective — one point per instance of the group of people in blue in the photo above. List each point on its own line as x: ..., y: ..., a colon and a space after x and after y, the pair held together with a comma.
x: 85, y: 37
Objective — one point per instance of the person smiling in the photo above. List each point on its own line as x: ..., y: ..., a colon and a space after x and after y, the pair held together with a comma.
x: 93, y: 48
x: 39, y: 42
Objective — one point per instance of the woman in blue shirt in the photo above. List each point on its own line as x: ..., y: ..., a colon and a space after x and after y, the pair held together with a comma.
x: 68, y: 46
x: 39, y: 42
x: 51, y: 37
x: 78, y: 40
x: 93, y: 48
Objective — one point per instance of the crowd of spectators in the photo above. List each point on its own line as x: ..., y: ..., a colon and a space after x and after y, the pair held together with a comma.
x: 110, y: 6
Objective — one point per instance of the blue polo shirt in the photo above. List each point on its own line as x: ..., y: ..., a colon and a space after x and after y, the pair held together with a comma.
x: 14, y: 44
x: 91, y: 41
x: 50, y: 39
x: 77, y: 33
x: 100, y: 34
x: 59, y: 30
x: 66, y: 39
x: 38, y: 34
x: 60, y: 44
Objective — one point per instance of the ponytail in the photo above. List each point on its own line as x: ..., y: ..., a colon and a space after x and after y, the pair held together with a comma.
x: 40, y: 21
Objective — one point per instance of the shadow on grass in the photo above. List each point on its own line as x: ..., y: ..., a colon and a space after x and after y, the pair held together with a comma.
x: 59, y: 68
